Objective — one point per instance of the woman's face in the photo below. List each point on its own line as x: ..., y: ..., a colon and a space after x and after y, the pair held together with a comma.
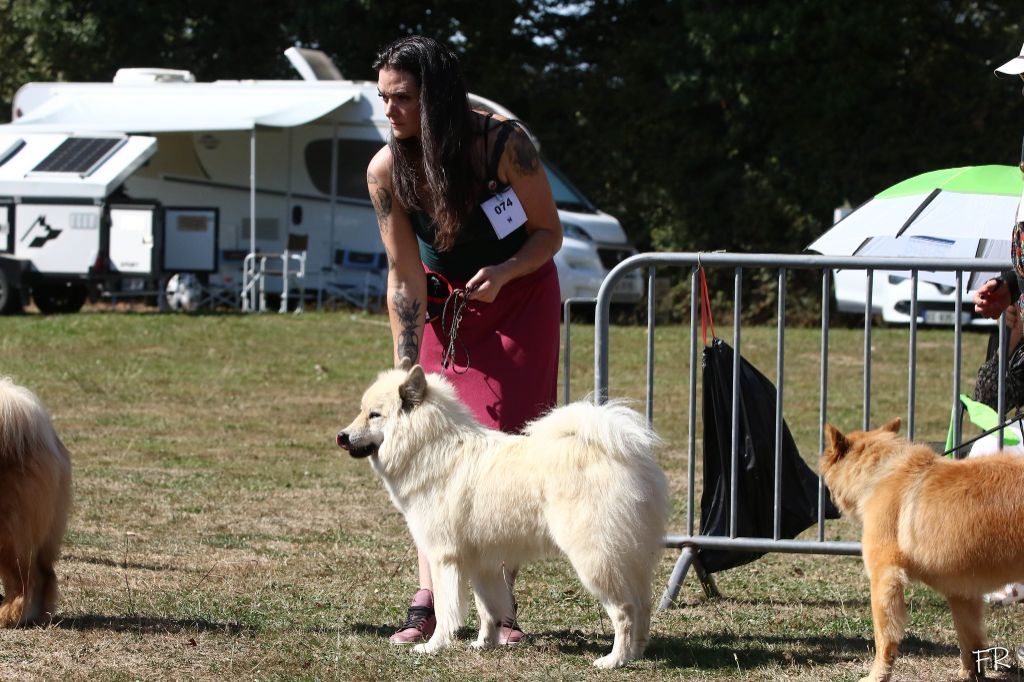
x: 401, y: 98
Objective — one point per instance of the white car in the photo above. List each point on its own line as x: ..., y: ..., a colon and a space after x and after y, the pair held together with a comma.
x: 891, y: 297
x: 593, y: 243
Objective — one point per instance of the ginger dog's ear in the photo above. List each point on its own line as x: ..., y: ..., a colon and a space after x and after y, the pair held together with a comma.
x: 414, y: 389
x: 893, y: 426
x: 836, y: 444
x: 405, y: 363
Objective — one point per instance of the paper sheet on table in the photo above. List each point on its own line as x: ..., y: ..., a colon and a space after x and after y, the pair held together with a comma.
x: 920, y: 246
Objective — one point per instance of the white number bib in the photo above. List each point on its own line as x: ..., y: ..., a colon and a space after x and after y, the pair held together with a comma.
x: 505, y: 212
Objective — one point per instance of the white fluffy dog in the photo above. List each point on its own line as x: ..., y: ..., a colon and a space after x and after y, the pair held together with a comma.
x: 582, y: 482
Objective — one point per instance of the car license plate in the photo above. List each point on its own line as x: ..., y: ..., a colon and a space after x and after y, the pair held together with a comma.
x: 939, y: 317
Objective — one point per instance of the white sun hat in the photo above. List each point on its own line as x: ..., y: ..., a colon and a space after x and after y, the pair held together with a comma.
x: 1014, y: 67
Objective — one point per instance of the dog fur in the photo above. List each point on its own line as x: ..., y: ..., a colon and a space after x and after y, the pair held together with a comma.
x: 957, y: 526
x: 35, y: 495
x: 581, y: 482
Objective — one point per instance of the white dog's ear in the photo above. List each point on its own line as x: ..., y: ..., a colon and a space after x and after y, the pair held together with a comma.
x: 414, y: 389
x: 405, y: 363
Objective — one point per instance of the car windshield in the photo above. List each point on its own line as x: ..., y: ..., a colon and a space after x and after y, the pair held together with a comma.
x: 567, y: 197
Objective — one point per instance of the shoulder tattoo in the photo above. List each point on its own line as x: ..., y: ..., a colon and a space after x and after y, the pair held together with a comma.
x: 524, y: 153
x: 409, y: 318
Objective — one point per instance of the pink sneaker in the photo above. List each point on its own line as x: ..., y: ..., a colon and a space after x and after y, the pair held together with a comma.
x: 510, y: 632
x: 419, y: 621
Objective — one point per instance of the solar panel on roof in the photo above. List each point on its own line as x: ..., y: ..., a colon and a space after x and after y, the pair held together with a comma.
x: 80, y: 155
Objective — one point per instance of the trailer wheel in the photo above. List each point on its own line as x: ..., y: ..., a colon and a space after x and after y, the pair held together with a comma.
x: 10, y: 297
x: 59, y: 297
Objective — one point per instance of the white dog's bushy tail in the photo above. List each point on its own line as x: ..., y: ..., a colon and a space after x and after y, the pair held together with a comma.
x: 613, y: 428
x: 25, y: 424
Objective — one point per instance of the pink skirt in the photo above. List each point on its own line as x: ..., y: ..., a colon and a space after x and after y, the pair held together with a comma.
x: 506, y: 358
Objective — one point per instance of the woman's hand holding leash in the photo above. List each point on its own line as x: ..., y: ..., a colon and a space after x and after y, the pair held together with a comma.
x: 485, y: 284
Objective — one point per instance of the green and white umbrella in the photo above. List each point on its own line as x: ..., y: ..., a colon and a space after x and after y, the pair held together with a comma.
x: 960, y: 212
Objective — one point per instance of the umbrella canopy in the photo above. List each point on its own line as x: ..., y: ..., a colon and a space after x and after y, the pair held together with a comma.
x: 959, y: 212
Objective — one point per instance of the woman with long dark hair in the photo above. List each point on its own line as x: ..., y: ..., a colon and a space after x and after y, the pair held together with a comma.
x: 469, y: 226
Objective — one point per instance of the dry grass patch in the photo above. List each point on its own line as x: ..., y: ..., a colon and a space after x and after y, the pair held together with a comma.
x: 218, y: 533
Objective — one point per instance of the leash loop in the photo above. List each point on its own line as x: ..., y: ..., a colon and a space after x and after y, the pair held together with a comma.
x: 456, y: 303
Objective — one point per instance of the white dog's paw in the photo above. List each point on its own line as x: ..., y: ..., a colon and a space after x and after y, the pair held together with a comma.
x: 483, y: 643
x: 610, y: 661
x: 427, y: 648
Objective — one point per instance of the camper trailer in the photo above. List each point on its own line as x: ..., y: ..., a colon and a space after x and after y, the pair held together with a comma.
x: 256, y: 189
x: 59, y: 208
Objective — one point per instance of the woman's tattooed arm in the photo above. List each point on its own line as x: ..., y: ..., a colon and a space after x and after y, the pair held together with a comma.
x: 410, y: 318
x: 406, y: 281
x: 381, y: 198
x: 524, y: 153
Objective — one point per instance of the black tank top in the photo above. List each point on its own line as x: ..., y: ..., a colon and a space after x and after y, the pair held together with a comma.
x: 476, y: 245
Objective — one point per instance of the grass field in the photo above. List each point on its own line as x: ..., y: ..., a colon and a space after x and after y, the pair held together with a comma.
x: 218, y: 532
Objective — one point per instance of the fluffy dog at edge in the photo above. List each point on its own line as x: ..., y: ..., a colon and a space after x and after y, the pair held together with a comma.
x: 35, y: 494
x: 957, y: 526
x: 581, y: 482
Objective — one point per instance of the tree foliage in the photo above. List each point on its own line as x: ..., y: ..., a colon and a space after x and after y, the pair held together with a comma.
x: 701, y: 124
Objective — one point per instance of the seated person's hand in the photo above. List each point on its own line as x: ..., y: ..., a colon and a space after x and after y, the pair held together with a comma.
x: 992, y: 298
x: 1012, y: 316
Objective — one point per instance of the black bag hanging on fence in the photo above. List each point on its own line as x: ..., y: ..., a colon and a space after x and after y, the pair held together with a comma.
x: 756, y: 482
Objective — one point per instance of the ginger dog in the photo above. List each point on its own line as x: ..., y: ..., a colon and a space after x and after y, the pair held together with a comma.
x: 957, y: 526
x: 35, y: 494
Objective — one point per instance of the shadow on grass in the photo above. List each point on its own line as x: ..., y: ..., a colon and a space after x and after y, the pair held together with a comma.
x: 714, y: 652
x: 726, y: 651
x: 829, y: 603
x: 383, y: 631
x: 148, y: 624
x: 117, y: 563
x: 722, y: 651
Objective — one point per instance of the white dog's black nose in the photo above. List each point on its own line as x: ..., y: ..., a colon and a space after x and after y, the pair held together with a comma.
x: 343, y: 441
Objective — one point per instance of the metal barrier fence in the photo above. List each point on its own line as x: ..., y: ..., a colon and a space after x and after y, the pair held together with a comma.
x: 689, y: 542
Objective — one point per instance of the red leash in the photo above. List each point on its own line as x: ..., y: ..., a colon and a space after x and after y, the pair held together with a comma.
x: 705, y: 307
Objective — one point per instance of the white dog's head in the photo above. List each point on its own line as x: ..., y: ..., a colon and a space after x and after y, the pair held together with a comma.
x: 395, y: 393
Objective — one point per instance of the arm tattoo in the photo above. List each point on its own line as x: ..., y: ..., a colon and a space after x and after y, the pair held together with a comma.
x: 380, y: 197
x: 409, y: 317
x: 383, y: 203
x: 524, y: 153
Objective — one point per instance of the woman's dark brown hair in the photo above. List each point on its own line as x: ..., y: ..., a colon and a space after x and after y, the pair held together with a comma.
x: 440, y: 159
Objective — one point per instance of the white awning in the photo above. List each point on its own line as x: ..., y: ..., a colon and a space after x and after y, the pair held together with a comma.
x: 68, y: 166
x: 183, y: 107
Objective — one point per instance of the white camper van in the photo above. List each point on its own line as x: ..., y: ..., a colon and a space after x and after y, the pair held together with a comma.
x: 252, y: 186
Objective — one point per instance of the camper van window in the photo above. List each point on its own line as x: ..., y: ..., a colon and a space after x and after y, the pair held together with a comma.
x: 567, y: 197
x: 353, y: 158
